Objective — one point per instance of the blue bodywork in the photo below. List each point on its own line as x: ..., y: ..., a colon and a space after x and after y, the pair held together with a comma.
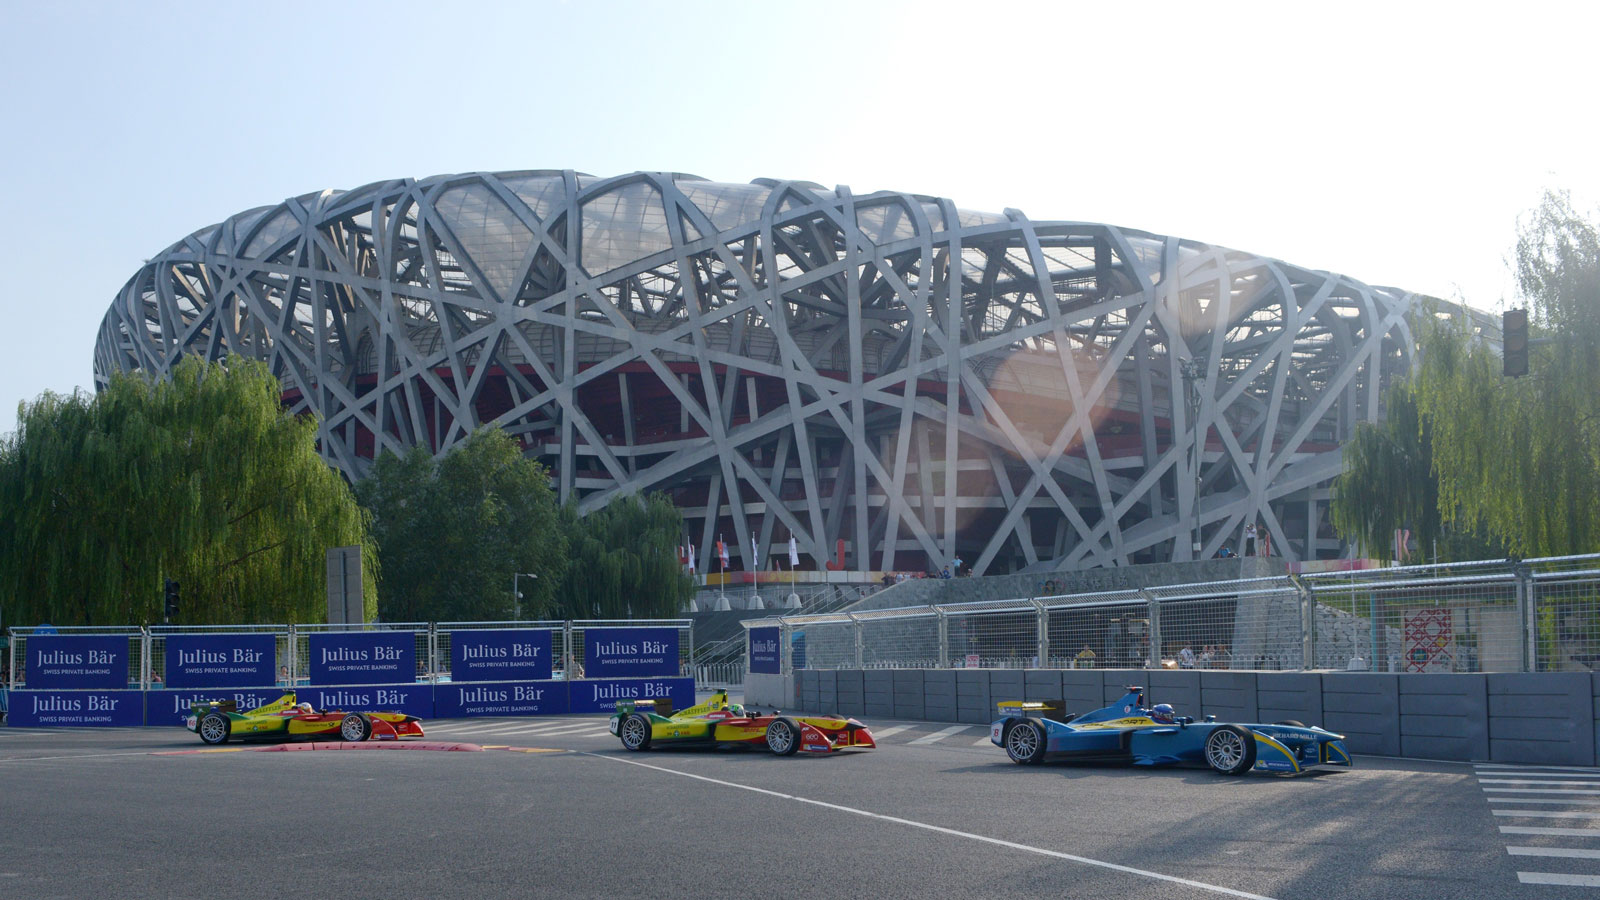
x: 1127, y: 731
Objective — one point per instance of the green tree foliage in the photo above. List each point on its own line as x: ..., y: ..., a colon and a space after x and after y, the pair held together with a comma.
x: 1520, y: 457
x: 1388, y: 481
x: 202, y: 479
x: 625, y: 561
x: 452, y: 533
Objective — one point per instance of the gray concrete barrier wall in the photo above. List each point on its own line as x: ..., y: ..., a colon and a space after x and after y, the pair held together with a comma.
x: 1543, y: 718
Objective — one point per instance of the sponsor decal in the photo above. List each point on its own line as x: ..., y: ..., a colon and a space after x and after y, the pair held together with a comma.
x: 412, y: 699
x: 363, y: 657
x: 601, y: 695
x: 503, y: 698
x: 630, y: 652
x: 75, y: 709
x: 764, y: 655
x: 500, y: 655
x: 219, y: 660
x: 822, y: 747
x: 77, y: 661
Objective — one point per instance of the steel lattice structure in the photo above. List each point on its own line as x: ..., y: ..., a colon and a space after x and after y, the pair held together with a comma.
x: 885, y: 370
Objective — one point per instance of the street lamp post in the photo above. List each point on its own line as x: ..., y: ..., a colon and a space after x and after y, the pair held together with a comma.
x: 1191, y: 379
x: 516, y: 593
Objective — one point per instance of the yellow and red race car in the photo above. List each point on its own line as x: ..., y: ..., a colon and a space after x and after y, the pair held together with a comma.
x: 217, y: 720
x: 642, y: 724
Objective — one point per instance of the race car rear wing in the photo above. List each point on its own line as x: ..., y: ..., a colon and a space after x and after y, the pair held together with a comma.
x: 1039, y: 709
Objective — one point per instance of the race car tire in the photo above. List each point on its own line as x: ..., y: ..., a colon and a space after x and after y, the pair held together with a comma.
x: 1292, y: 723
x: 1231, y: 750
x: 214, y: 728
x: 355, y: 727
x: 635, y: 732
x: 1025, y: 742
x: 783, y: 736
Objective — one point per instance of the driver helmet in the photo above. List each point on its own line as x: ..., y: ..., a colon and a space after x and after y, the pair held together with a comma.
x: 303, y: 707
x: 1163, y: 712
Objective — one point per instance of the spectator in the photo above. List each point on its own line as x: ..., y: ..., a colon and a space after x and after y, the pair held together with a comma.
x: 1084, y: 659
x: 1186, y: 658
x: 1250, y: 539
x: 155, y: 677
x: 945, y: 573
x: 888, y: 579
x: 283, y: 677
x: 1225, y: 553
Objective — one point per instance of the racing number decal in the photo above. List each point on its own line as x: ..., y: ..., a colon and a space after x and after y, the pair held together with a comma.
x: 994, y: 731
x: 613, y: 724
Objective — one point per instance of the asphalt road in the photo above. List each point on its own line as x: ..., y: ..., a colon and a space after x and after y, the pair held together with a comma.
x: 115, y: 813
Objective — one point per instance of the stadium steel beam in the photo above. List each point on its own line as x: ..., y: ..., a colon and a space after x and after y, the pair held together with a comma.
x: 884, y: 371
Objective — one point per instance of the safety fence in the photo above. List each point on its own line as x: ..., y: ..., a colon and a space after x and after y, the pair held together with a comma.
x: 151, y: 675
x: 1538, y: 615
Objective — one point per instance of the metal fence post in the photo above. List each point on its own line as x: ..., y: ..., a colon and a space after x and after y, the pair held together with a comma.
x: 1308, y: 623
x: 292, y: 653
x: 1043, y: 647
x: 856, y: 625
x: 1527, y: 614
x: 944, y: 637
x: 566, y: 647
x: 1153, y: 658
x: 144, y: 653
x: 785, y: 649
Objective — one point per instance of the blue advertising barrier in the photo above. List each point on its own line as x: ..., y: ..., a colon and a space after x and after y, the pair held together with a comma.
x: 219, y: 660
x: 764, y: 651
x: 500, y: 655
x: 363, y: 657
x: 455, y: 699
x: 170, y: 707
x: 75, y: 709
x: 601, y: 695
x: 413, y: 699
x: 77, y: 661
x: 629, y: 652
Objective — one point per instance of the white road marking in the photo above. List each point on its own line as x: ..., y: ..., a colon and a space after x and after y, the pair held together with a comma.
x: 984, y: 742
x: 1579, y: 801
x: 1541, y: 774
x: 1571, y: 832
x: 1482, y: 766
x: 1143, y: 873
x: 941, y: 734
x: 466, y: 729
x: 1564, y: 852
x: 1545, y: 814
x: 1524, y: 781
x: 527, y: 729
x: 1540, y: 791
x: 879, y: 734
x: 1559, y: 878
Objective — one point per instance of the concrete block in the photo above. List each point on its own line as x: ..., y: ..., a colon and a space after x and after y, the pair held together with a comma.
x: 1230, y: 696
x: 940, y: 683
x: 1005, y: 684
x: 1365, y: 708
x: 1179, y: 687
x: 1041, y: 684
x: 1082, y: 689
x: 1544, y: 718
x: 1444, y: 716
x: 1289, y: 695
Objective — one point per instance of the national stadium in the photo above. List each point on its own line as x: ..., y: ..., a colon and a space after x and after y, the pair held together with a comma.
x: 893, y: 381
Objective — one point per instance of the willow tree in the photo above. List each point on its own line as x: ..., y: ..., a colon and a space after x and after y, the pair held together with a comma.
x: 452, y: 533
x: 625, y: 560
x: 1388, y: 481
x: 1520, y: 457
x: 202, y: 479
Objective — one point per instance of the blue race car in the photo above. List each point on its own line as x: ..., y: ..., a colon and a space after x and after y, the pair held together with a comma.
x: 1128, y: 732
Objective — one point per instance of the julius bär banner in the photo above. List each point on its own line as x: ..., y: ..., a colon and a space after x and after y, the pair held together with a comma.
x: 363, y: 657
x: 75, y: 709
x: 78, y: 661
x: 219, y: 660
x: 602, y: 696
x: 764, y: 651
x: 172, y: 707
x: 412, y: 699
x: 500, y: 655
x: 453, y: 699
x: 630, y: 652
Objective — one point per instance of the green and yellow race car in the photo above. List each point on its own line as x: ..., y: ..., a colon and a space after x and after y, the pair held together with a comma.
x: 642, y: 724
x: 217, y: 720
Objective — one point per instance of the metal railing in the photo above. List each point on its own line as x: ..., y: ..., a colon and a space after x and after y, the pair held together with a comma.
x: 1538, y: 615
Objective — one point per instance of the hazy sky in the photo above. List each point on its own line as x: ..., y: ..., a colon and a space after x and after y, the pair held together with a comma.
x: 1393, y: 144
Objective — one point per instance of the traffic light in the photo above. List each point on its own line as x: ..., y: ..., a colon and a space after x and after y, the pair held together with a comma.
x: 1514, y: 349
x: 171, y: 599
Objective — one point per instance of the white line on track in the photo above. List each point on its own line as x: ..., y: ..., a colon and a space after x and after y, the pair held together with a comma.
x: 1143, y: 873
x: 1574, y: 802
x: 1545, y: 814
x: 1570, y: 832
x: 1541, y: 791
x: 983, y: 741
x: 1526, y: 773
x: 1525, y: 781
x: 940, y: 735
x: 879, y: 734
x: 1559, y: 878
x: 17, y: 759
x: 466, y: 729
x: 1492, y: 766
x: 1564, y: 852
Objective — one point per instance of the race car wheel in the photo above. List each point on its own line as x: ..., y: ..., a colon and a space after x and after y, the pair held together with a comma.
x: 1025, y: 742
x: 214, y: 728
x: 783, y: 736
x: 1291, y: 723
x: 1231, y: 750
x: 635, y: 732
x: 355, y: 727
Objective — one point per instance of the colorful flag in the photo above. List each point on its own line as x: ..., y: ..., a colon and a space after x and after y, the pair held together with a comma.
x: 755, y: 555
x: 794, y: 553
x: 722, y: 551
x: 691, y: 559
